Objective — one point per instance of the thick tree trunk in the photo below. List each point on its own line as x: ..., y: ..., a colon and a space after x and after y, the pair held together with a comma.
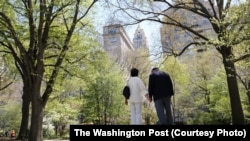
x: 236, y: 107
x: 24, y: 129
x: 248, y: 93
x: 36, y: 118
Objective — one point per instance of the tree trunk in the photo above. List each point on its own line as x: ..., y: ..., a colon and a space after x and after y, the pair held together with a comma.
x: 236, y: 107
x: 25, y: 120
x: 36, y: 118
x: 248, y: 92
x: 24, y: 129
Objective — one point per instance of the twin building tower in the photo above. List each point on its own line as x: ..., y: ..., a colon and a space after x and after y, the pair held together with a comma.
x: 118, y: 45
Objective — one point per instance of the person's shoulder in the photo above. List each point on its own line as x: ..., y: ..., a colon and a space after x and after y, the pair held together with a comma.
x: 165, y: 73
x: 135, y: 78
x: 138, y: 78
x: 152, y: 75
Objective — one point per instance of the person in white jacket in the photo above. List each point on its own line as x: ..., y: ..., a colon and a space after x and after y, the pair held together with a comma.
x: 138, y: 94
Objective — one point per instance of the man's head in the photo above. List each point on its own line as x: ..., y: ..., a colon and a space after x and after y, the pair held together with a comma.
x: 154, y: 69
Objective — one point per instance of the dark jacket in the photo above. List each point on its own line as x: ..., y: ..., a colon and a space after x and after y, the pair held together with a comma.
x: 160, y: 85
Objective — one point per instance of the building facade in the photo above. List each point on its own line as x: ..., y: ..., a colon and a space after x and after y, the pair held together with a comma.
x: 174, y: 38
x: 140, y: 39
x: 117, y: 43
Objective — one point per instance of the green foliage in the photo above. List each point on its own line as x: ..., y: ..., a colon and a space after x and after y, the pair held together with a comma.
x: 103, y: 101
x: 64, y: 105
x: 10, y: 116
x: 220, y: 104
x: 63, y: 108
x: 217, y: 111
x: 149, y: 115
x: 238, y: 30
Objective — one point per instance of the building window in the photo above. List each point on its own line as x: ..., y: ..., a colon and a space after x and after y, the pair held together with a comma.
x: 113, y: 40
x: 139, y: 36
x: 112, y: 31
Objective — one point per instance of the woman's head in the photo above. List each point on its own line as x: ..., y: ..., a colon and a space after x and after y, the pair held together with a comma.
x: 134, y: 72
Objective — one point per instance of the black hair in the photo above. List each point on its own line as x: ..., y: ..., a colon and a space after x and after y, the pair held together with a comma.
x: 155, y: 68
x: 134, y: 72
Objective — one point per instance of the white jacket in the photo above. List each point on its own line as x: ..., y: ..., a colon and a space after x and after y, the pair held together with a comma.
x: 137, y: 89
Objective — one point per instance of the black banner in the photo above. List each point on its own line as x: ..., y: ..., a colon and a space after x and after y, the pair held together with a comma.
x: 174, y: 132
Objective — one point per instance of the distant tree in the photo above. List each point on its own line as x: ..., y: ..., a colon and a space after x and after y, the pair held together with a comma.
x: 103, y: 102
x: 10, y: 116
x: 219, y: 106
x: 205, y: 65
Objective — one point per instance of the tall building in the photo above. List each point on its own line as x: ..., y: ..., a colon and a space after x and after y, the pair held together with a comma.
x: 174, y: 38
x: 116, y: 42
x: 140, y: 39
x: 127, y: 54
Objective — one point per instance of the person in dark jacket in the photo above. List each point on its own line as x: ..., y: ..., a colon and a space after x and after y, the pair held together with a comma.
x: 160, y: 89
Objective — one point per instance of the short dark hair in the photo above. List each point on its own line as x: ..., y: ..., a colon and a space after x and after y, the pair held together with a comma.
x: 154, y: 68
x: 134, y: 72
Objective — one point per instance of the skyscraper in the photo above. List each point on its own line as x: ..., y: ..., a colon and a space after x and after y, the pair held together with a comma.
x: 174, y: 38
x: 140, y: 39
x: 116, y: 42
